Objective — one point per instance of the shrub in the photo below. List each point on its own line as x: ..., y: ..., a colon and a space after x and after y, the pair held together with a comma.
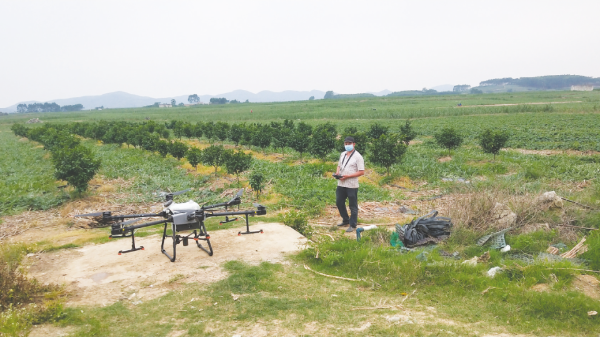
x: 448, y: 138
x: 257, y: 182
x: 323, y: 140
x: 298, y: 221
x: 178, y: 149
x: 214, y: 156
x: 407, y: 132
x: 593, y: 253
x: 376, y: 130
x: 491, y: 141
x: 237, y: 163
x: 75, y: 165
x: 387, y: 150
x: 193, y: 156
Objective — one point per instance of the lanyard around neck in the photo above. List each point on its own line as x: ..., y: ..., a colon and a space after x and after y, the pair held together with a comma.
x: 349, y: 157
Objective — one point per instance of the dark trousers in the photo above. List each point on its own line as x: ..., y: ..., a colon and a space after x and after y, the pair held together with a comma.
x: 343, y: 193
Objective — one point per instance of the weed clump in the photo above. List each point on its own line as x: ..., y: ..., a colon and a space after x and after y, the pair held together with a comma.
x: 23, y: 301
x: 298, y: 221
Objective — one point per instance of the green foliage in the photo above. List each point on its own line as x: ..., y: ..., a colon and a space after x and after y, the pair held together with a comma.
x: 235, y: 133
x: 376, y: 130
x: 261, y: 136
x: 257, y: 182
x: 75, y: 165
x: 221, y: 130
x: 387, y: 150
x: 593, y: 253
x: 407, y: 132
x: 448, y: 138
x: 491, y: 141
x: 194, y: 156
x: 178, y: 149
x: 298, y: 221
x: 532, y: 243
x: 238, y: 162
x: 323, y: 140
x: 214, y: 156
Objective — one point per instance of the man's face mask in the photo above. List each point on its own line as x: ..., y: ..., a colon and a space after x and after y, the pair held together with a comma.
x: 349, y: 147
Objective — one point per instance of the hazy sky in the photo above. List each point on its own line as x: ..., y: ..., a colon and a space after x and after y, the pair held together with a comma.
x: 60, y: 49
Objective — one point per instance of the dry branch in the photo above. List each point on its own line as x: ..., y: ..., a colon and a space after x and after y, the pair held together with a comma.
x: 330, y: 276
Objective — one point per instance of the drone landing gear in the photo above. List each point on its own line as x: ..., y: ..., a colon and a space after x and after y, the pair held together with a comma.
x: 199, y: 235
x: 247, y: 232
x: 227, y: 220
x: 133, y: 248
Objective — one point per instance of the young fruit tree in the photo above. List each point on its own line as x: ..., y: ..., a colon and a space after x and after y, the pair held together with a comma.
x: 448, y: 138
x: 193, y: 156
x: 407, y: 132
x: 75, y: 165
x: 387, y: 150
x: 178, y: 149
x: 214, y: 156
x: 491, y: 141
x: 237, y: 163
x: 299, y: 142
x: 323, y: 140
x: 257, y: 183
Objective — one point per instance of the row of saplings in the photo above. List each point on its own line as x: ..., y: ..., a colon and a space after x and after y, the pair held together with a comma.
x: 72, y: 161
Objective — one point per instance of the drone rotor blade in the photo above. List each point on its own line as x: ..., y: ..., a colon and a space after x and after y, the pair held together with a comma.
x: 131, y: 221
x: 239, y: 193
x: 93, y: 214
x: 181, y: 192
x: 256, y: 205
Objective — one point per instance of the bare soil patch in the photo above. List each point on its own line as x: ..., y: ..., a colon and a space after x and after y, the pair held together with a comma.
x: 444, y: 159
x: 97, y: 275
x: 516, y: 104
x: 589, y: 285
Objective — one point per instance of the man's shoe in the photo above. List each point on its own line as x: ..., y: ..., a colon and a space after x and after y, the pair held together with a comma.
x: 351, y: 229
x: 343, y: 224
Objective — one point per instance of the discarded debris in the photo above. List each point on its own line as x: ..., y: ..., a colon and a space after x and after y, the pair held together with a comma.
x: 497, y: 239
x: 552, y: 250
x: 493, y: 271
x: 592, y: 313
x: 471, y: 262
x: 458, y: 179
x: 505, y: 249
x: 425, y: 229
x: 503, y: 216
x: 549, y: 199
x: 484, y: 258
x: 406, y: 210
x: 330, y: 276
x: 577, y: 250
x: 488, y: 289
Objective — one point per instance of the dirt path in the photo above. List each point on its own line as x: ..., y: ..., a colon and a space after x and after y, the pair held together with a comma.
x: 97, y: 275
x: 516, y: 104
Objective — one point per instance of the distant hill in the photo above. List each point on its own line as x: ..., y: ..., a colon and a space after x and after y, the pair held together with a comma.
x: 126, y: 100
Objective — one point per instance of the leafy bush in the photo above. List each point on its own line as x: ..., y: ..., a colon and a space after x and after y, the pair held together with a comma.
x: 323, y: 140
x: 237, y: 163
x: 448, y: 138
x: 194, y: 156
x: 593, y: 253
x: 75, y: 165
x: 298, y: 221
x: 387, y: 150
x: 407, y: 132
x: 214, y: 156
x: 257, y: 182
x: 491, y: 141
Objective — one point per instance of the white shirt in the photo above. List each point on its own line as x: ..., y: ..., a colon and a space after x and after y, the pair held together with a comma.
x: 349, y: 166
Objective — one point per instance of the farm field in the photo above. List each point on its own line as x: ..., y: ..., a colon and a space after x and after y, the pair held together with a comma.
x: 554, y: 145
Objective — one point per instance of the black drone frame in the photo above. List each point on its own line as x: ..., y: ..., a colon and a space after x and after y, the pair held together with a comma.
x: 186, y: 221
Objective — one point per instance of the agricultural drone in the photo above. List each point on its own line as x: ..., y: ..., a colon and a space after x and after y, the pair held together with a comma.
x: 186, y: 216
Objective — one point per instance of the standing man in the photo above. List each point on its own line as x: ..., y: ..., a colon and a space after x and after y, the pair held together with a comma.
x: 350, y: 167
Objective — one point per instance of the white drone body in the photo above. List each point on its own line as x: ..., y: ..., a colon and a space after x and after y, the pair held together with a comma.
x: 180, y: 211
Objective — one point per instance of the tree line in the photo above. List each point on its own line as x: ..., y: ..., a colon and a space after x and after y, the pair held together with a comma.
x: 72, y: 161
x: 544, y: 82
x: 47, y: 107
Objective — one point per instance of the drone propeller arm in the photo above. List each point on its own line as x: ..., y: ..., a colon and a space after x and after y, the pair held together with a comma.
x: 161, y: 214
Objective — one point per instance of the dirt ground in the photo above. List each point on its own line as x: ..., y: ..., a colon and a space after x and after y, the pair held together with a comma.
x: 97, y: 275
